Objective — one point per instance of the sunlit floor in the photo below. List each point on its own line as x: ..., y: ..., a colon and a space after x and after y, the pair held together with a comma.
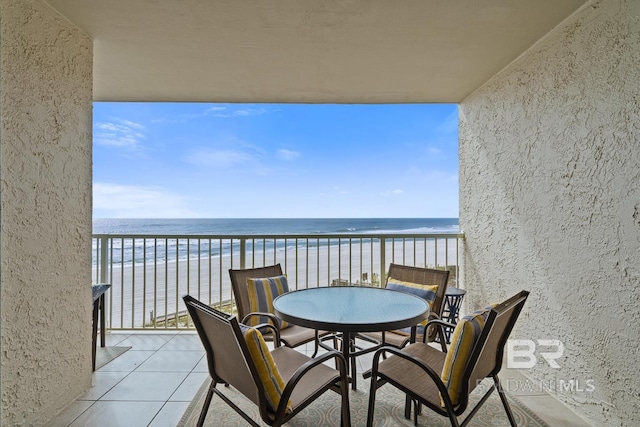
x: 153, y: 383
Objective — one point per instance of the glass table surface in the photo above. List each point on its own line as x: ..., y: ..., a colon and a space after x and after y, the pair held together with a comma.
x: 351, y: 308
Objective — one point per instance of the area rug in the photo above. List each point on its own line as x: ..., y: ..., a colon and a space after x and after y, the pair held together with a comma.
x: 105, y: 355
x: 325, y: 411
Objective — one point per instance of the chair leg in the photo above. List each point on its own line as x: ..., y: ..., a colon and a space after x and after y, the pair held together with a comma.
x: 372, y: 400
x: 505, y: 403
x: 207, y: 402
x: 345, y: 414
x: 407, y: 407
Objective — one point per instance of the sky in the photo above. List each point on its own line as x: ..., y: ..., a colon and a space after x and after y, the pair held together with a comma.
x: 197, y: 160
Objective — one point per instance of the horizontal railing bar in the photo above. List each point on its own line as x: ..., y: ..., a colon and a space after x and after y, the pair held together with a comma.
x: 284, y: 236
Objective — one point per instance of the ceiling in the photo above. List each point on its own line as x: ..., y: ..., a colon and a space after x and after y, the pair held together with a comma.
x: 307, y: 51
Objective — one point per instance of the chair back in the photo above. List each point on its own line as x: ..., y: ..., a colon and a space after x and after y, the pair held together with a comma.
x: 422, y: 276
x: 239, y: 284
x: 225, y: 348
x: 486, y: 357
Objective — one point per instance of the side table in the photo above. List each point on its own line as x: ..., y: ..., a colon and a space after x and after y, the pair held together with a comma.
x: 98, y: 306
x: 451, y: 308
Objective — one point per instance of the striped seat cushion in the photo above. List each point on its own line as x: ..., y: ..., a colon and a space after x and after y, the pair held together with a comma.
x: 426, y: 292
x: 464, y: 338
x: 261, y: 292
x: 267, y: 369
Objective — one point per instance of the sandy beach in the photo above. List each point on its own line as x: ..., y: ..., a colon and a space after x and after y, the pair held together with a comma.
x: 141, y: 293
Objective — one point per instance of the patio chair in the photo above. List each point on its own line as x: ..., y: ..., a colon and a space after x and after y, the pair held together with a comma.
x: 443, y: 380
x: 419, y: 281
x: 280, y: 382
x: 291, y: 335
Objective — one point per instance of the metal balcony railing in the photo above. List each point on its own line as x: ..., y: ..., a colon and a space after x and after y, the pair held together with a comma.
x: 150, y: 273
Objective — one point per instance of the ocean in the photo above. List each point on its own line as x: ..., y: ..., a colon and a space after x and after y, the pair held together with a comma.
x: 129, y: 251
x: 281, y: 226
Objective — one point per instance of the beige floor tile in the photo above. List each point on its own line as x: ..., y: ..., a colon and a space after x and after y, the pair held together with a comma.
x: 170, y: 414
x: 189, y: 387
x: 202, y: 366
x: 118, y: 414
x: 71, y: 412
x: 128, y: 361
x: 183, y: 342
x: 103, y: 381
x: 146, y: 386
x: 171, y: 361
x: 553, y: 411
x: 114, y: 339
x: 146, y: 341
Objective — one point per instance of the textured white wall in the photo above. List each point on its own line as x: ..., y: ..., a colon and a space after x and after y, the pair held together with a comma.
x: 550, y: 202
x: 45, y: 212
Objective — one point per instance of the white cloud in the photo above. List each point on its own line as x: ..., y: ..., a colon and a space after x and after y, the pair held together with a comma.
x: 450, y: 123
x: 241, y: 112
x: 132, y: 201
x: 119, y: 133
x: 221, y: 159
x: 392, y: 192
x: 288, y: 154
x: 221, y: 111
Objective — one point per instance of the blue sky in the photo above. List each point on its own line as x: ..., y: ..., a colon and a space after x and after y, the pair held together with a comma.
x: 195, y: 160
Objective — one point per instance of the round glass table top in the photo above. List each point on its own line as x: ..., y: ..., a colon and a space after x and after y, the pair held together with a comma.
x: 351, y: 308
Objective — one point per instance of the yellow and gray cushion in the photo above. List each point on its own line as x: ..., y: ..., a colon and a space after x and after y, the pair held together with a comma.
x: 267, y: 369
x: 426, y: 292
x: 261, y: 292
x: 464, y: 339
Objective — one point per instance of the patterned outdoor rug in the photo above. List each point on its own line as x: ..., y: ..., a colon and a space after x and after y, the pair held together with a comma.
x: 325, y: 411
x: 105, y: 355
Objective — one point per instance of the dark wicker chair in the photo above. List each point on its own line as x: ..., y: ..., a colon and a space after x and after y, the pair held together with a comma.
x: 293, y: 335
x: 231, y: 363
x: 417, y: 368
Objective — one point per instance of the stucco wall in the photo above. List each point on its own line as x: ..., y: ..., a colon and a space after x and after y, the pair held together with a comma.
x: 550, y: 202
x: 45, y: 212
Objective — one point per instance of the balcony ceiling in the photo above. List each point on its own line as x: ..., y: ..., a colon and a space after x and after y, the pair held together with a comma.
x: 316, y: 51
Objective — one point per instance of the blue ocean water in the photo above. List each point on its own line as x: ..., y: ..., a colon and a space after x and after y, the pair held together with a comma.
x: 261, y: 226
x: 131, y: 250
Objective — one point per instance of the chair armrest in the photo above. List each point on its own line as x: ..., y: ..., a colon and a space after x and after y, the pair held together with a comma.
x: 435, y: 377
x: 275, y: 330
x: 305, y: 368
x: 273, y: 325
x: 439, y: 324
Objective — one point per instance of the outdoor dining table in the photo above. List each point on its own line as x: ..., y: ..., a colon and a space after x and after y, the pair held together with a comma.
x: 349, y: 310
x: 98, y: 291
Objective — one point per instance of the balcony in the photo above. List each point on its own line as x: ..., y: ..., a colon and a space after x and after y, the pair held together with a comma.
x: 154, y: 382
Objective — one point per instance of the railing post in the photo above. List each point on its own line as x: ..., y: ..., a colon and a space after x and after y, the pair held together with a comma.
x: 383, y: 261
x: 103, y: 259
x: 243, y: 253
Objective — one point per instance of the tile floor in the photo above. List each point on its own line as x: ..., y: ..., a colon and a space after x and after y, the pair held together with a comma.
x: 153, y: 383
